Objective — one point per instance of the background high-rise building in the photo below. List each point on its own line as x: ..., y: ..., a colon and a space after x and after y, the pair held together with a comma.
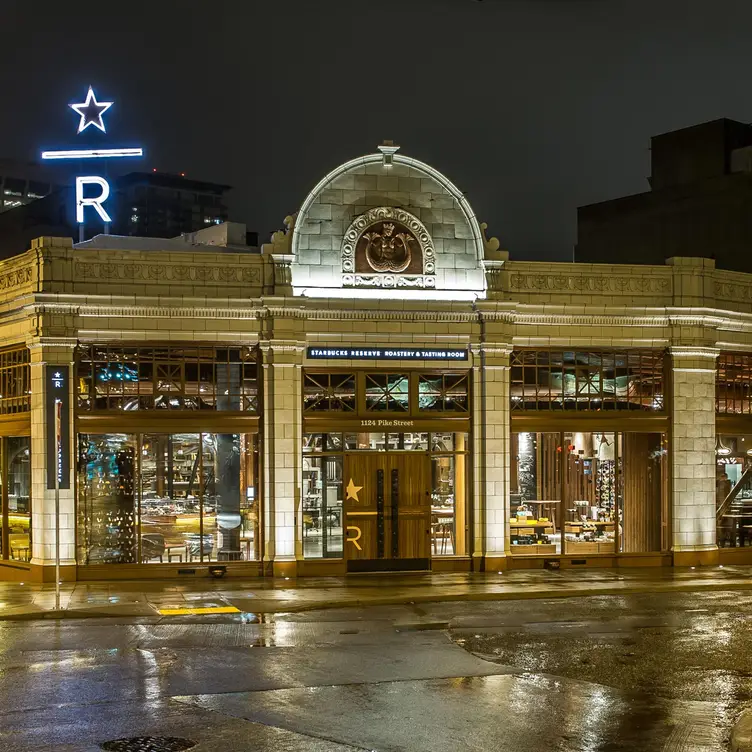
x: 145, y: 204
x: 160, y: 205
x: 699, y: 203
x: 24, y: 182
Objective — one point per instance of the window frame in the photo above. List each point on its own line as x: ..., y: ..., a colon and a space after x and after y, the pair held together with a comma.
x: 413, y: 411
x: 567, y: 380
x: 151, y: 361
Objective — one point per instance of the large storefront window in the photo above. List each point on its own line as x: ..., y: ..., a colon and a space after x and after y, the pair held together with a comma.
x: 164, y: 498
x: 592, y: 380
x: 734, y: 490
x: 167, y: 378
x: 15, y: 480
x: 15, y: 381
x: 323, y: 486
x: 733, y: 389
x: 585, y: 493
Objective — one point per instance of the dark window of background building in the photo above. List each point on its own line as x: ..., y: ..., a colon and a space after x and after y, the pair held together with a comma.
x: 14, y: 187
x: 37, y: 190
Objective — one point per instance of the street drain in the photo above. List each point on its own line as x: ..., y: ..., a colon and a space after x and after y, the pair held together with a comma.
x: 148, y: 744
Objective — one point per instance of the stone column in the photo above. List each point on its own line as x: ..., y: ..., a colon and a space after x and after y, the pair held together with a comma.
x: 491, y: 447
x: 692, y: 451
x: 42, y: 498
x: 282, y: 456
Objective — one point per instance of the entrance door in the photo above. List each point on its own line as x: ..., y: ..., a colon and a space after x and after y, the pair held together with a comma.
x: 387, y: 512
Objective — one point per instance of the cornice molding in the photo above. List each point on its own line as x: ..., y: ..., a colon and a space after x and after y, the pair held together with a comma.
x: 40, y: 342
x: 558, y: 319
x: 369, y: 315
x: 694, y: 351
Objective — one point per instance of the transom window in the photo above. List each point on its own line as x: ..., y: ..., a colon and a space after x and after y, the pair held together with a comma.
x: 733, y: 392
x: 405, y: 393
x: 587, y: 380
x: 167, y: 378
x: 443, y: 392
x: 387, y: 392
x: 329, y: 391
x: 15, y: 381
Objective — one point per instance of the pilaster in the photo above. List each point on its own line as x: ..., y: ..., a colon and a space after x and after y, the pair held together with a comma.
x: 693, y: 454
x: 491, y: 422
x: 43, y: 353
x: 282, y: 362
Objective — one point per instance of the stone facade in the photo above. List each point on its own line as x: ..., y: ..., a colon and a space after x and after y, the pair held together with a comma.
x: 291, y: 296
x: 368, y: 182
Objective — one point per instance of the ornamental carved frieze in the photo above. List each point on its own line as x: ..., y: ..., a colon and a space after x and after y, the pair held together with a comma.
x: 571, y: 283
x: 167, y: 273
x: 388, y: 247
x: 15, y: 278
x: 739, y: 293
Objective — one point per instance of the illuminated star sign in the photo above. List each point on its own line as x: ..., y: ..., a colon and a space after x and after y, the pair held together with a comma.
x: 352, y: 490
x: 91, y: 112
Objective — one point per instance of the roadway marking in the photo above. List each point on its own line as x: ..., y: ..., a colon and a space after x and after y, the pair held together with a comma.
x: 198, y: 611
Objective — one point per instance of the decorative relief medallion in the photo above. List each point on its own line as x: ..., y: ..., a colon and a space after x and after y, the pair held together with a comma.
x: 388, y: 247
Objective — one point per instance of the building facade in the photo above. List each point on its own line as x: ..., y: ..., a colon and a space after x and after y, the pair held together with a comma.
x: 380, y: 388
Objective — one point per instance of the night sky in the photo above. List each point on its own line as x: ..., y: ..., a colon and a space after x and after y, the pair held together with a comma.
x: 532, y: 107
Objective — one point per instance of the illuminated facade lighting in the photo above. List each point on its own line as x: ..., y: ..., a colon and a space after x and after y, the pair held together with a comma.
x: 387, y: 293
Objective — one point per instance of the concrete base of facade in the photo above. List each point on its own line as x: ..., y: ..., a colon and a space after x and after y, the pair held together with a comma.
x: 491, y: 563
x: 20, y: 572
x: 11, y: 571
x: 705, y: 558
x: 731, y: 556
x: 285, y: 568
x: 596, y: 561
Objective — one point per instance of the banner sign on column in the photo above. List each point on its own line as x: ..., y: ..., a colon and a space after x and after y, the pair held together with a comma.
x: 58, y: 457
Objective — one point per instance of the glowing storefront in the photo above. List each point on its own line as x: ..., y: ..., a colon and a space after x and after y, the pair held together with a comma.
x: 380, y: 388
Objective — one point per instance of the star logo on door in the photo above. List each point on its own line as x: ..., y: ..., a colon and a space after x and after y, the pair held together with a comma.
x: 352, y: 490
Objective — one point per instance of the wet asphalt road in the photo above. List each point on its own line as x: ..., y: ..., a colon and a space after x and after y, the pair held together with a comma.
x: 640, y: 672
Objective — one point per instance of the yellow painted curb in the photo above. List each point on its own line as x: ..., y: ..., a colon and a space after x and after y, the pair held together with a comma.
x: 195, y: 611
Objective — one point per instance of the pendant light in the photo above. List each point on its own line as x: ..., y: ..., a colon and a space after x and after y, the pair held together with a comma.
x: 720, y: 449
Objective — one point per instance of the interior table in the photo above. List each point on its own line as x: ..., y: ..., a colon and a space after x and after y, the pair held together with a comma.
x: 544, y: 502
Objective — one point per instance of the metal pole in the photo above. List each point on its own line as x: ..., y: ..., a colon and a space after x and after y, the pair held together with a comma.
x: 58, y: 447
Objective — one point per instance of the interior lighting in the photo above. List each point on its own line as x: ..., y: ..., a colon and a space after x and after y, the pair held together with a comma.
x: 720, y: 448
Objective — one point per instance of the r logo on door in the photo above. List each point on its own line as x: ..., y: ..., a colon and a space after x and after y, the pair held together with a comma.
x: 355, y: 540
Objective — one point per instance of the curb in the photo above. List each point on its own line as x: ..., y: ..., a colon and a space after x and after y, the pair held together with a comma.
x: 278, y: 606
x: 263, y: 605
x: 52, y: 614
x: 741, y: 734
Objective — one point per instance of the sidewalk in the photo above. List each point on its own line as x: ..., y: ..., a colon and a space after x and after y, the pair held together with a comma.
x: 145, y: 599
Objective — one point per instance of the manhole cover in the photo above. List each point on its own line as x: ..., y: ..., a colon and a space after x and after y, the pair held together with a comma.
x: 148, y: 744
